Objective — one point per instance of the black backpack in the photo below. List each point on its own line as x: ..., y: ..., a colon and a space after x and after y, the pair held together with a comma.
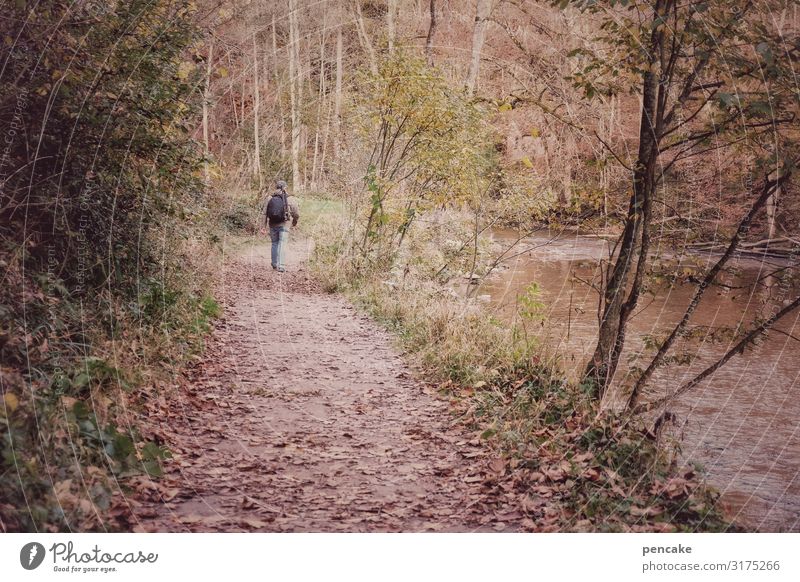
x: 277, y: 208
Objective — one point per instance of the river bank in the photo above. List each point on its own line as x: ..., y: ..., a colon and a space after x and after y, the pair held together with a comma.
x: 600, y: 472
x: 741, y: 425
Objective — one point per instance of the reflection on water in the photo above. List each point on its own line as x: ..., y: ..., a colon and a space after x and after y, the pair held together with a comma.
x: 742, y: 423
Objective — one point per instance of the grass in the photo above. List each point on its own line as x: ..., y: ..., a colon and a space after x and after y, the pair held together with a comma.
x: 315, y: 208
x: 572, y: 468
x: 75, y: 378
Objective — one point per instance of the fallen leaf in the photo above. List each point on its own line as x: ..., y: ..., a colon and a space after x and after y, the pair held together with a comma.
x: 651, y: 511
x: 11, y: 401
x: 497, y: 466
x: 170, y: 494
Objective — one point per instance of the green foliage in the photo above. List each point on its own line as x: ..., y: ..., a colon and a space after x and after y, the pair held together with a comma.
x: 114, y: 448
x: 114, y: 156
x: 99, y: 194
x: 242, y: 216
x: 430, y: 148
x: 92, y: 373
x: 531, y: 306
x: 733, y: 51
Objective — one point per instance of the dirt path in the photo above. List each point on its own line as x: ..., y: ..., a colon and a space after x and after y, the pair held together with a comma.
x: 303, y: 417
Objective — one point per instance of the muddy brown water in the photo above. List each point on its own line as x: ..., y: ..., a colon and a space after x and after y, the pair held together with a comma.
x: 742, y: 424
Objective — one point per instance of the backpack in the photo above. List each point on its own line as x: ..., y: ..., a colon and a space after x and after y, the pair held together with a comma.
x: 278, y: 208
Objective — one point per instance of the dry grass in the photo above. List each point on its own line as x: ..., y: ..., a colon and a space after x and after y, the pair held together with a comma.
x: 593, y: 472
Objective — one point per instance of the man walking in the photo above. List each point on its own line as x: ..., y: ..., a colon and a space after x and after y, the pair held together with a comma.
x: 278, y: 212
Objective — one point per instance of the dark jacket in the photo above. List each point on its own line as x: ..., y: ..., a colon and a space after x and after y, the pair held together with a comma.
x: 294, y: 210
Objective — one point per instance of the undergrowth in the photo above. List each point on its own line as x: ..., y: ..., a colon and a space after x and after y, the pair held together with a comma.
x: 574, y: 468
x: 75, y: 376
x: 104, y: 252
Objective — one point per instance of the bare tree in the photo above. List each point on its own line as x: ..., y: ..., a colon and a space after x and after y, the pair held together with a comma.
x: 315, y: 166
x: 391, y: 8
x: 337, y: 100
x: 295, y: 93
x: 206, y: 101
x: 256, y: 113
x: 482, y: 11
x: 366, y: 43
x: 431, y: 32
x: 277, y: 82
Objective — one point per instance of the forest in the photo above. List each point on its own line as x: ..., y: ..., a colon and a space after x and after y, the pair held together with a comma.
x: 544, y: 277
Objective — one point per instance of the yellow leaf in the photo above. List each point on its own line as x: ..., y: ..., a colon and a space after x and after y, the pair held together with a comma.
x: 535, y: 132
x: 12, y: 402
x: 184, y: 69
x: 505, y: 107
x: 527, y: 162
x: 8, y: 40
x: 222, y: 72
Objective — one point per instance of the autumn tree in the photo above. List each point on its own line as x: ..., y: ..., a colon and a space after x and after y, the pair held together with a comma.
x: 710, y: 77
x: 428, y: 147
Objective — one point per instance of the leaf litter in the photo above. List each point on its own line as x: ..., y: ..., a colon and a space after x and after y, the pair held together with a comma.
x: 302, y: 416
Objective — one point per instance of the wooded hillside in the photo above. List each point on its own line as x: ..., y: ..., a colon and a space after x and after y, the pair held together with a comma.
x: 140, y: 138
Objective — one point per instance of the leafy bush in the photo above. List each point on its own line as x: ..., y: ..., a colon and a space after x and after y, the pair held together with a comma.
x: 436, y: 150
x: 99, y: 197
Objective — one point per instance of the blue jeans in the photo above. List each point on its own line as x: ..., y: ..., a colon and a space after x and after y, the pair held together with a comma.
x: 279, y: 236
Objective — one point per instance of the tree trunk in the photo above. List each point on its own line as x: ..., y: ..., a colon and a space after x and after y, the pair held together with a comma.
x: 320, y: 107
x: 624, y: 283
x: 206, y: 98
x: 278, y: 91
x: 242, y: 107
x: 365, y: 42
x: 772, y: 210
x: 304, y: 84
x: 483, y: 9
x: 337, y: 102
x: 294, y: 93
x: 431, y: 32
x: 256, y: 113
x: 234, y: 106
x: 391, y: 8
x: 325, y: 142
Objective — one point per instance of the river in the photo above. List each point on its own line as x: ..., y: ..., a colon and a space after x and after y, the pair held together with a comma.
x: 741, y: 425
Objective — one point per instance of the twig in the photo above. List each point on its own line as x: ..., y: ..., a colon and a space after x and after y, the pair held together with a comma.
x: 737, y: 349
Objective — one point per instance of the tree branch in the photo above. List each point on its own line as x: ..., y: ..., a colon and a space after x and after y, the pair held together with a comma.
x: 737, y: 349
x: 769, y: 187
